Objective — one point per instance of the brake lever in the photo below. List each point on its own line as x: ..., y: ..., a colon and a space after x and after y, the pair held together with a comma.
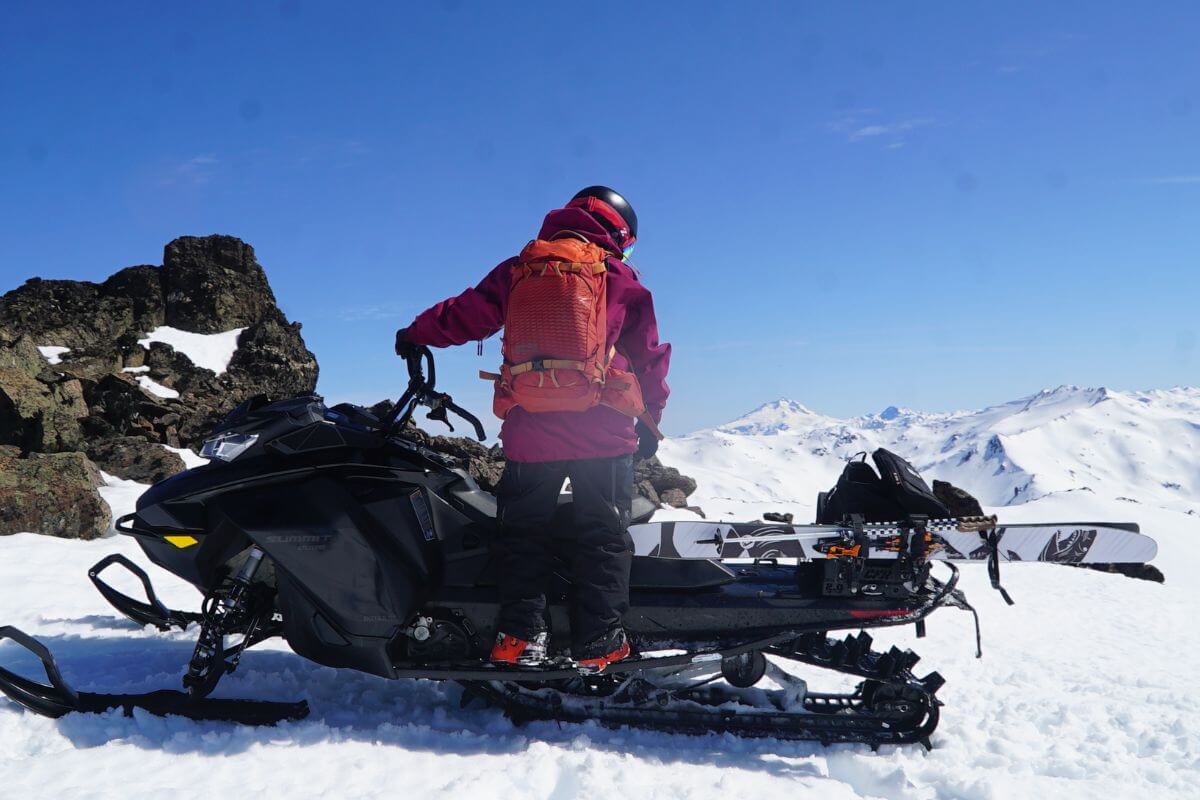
x: 438, y: 414
x: 468, y: 416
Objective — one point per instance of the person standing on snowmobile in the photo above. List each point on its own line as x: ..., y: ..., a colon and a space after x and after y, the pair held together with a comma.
x: 582, y: 363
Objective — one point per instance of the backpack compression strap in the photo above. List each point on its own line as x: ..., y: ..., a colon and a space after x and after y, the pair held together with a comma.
x: 561, y: 267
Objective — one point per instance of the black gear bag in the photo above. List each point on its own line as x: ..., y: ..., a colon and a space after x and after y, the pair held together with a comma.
x: 892, y: 495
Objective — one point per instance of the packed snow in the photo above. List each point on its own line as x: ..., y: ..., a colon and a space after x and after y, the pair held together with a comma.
x: 53, y: 353
x: 1084, y: 689
x: 211, y: 351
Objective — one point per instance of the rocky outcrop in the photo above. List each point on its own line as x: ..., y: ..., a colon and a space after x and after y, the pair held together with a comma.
x: 206, y: 285
x: 213, y: 284
x: 110, y: 397
x: 54, y: 494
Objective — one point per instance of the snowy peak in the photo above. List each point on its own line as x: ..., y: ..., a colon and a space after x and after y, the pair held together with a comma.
x: 780, y: 416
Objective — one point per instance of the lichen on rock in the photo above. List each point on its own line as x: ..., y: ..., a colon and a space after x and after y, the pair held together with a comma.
x: 51, y: 493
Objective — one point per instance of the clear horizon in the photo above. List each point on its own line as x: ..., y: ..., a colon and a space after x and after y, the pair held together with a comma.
x: 935, y: 207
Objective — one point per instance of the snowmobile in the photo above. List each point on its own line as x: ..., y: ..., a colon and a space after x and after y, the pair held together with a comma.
x: 339, y: 531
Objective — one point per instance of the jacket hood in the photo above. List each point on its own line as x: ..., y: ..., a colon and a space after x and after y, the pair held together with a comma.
x: 578, y: 220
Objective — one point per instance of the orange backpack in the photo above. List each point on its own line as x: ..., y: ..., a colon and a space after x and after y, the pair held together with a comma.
x: 556, y: 356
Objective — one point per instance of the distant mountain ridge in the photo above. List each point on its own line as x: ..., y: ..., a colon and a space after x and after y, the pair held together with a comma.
x: 1134, y: 446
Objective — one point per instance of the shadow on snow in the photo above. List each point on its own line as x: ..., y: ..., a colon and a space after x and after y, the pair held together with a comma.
x: 346, y: 706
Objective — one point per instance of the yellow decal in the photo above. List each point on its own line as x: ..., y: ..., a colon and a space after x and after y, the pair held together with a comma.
x: 182, y: 541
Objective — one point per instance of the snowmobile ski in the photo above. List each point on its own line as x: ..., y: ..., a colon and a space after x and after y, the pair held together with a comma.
x: 964, y: 540
x: 58, y: 698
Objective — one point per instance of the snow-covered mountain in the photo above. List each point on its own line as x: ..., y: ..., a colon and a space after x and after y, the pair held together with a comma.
x: 1141, y: 448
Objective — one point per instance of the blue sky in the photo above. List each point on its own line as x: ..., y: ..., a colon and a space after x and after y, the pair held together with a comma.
x: 934, y: 205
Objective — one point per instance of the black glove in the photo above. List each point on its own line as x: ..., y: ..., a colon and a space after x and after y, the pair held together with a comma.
x: 404, y: 348
x: 647, y: 441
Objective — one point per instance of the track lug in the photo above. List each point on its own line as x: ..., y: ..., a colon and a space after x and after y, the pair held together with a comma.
x: 932, y: 682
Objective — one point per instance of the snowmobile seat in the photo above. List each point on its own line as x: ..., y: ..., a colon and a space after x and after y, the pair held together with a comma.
x: 678, y: 573
x: 467, y: 492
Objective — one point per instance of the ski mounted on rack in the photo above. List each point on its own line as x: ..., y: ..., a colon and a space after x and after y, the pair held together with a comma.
x: 964, y: 540
x: 968, y: 539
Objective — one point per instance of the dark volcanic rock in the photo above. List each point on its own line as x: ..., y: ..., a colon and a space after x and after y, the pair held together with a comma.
x: 207, y: 284
x: 119, y: 407
x: 662, y: 478
x: 51, y: 494
x: 777, y: 516
x: 213, y: 284
x: 674, y: 497
x: 135, y: 459
x: 143, y: 288
x: 959, y: 501
x: 40, y: 409
x: 94, y: 400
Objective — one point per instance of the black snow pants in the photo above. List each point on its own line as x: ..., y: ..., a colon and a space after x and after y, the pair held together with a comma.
x: 595, y: 545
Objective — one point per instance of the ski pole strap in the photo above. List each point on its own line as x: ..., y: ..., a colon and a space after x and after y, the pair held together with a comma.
x: 992, y: 538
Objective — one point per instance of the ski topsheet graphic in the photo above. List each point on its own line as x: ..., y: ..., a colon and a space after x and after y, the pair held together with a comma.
x: 1057, y: 542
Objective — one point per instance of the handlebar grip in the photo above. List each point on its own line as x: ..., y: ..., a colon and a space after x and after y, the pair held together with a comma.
x: 416, y: 375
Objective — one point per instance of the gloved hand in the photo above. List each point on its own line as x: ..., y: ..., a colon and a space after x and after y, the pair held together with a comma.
x: 404, y: 348
x: 647, y: 441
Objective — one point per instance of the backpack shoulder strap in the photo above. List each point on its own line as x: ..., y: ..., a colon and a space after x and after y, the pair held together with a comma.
x: 570, y: 235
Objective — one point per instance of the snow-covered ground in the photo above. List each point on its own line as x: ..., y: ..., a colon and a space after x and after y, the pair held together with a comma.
x: 1085, y: 689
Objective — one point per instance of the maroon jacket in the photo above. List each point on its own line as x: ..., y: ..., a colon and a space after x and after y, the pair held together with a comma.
x: 599, y: 432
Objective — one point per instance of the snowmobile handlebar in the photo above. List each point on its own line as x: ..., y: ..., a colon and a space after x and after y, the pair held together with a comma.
x: 421, y: 391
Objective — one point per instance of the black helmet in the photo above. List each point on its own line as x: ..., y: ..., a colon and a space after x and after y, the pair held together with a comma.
x: 601, y: 202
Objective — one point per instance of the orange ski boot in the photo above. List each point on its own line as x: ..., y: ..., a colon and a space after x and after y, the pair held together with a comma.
x: 511, y: 650
x: 608, y: 649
